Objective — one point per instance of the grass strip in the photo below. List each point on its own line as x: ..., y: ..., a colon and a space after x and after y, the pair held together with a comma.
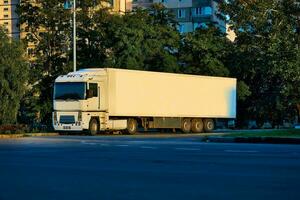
x: 286, y: 133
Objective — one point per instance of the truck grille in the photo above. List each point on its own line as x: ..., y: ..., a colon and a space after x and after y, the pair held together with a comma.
x: 67, y: 119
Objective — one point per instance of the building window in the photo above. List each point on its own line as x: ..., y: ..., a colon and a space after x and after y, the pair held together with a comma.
x: 196, y: 12
x: 5, y: 16
x: 6, y: 23
x: 181, y: 13
x: 5, y: 2
x: 5, y: 9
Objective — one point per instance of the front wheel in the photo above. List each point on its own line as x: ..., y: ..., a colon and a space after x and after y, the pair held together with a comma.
x: 93, y: 127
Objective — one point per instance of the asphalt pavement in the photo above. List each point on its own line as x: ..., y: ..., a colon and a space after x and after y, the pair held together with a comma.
x: 146, y: 167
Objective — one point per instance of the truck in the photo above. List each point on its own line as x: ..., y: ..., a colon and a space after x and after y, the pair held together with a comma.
x: 110, y: 99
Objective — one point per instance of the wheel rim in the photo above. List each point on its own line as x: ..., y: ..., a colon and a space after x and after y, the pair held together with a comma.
x: 210, y: 125
x: 198, y: 125
x: 186, y: 126
x: 132, y: 127
x: 94, y: 128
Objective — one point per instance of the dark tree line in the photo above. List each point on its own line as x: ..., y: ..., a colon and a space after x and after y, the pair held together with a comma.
x: 265, y: 56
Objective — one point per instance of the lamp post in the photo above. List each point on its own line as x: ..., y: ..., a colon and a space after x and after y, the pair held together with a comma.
x: 74, y: 36
x: 67, y: 6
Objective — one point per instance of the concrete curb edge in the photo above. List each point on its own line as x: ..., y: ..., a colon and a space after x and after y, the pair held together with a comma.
x: 7, y: 136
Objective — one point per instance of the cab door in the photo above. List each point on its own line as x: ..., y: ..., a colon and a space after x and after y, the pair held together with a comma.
x: 93, y: 96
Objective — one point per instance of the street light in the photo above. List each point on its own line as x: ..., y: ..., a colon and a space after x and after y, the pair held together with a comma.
x: 67, y: 5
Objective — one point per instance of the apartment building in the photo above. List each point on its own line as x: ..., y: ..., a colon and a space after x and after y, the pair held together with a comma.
x: 9, y: 18
x: 191, y: 14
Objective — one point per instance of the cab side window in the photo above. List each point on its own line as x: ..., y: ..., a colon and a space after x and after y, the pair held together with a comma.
x: 94, y: 88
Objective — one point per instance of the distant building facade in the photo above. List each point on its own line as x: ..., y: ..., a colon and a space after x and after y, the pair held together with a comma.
x: 10, y: 20
x: 8, y: 17
x: 191, y: 14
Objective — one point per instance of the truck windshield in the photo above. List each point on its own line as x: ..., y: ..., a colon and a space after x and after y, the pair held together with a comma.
x: 69, y: 91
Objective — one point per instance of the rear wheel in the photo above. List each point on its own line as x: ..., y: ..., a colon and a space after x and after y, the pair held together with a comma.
x: 131, y: 126
x: 209, y: 125
x: 186, y: 125
x: 197, y: 125
x: 93, y: 127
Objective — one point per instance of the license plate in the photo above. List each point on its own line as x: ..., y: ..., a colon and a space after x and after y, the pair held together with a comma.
x: 67, y: 127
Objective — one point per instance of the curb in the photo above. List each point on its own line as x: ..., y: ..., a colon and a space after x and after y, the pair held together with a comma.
x: 8, y: 136
x: 254, y: 140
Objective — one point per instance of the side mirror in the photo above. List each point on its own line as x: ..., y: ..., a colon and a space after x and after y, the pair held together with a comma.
x: 89, y: 94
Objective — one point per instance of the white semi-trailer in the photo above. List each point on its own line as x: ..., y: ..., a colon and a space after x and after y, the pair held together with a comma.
x: 116, y: 99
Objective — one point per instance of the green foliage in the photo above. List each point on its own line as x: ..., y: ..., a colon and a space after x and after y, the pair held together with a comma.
x: 243, y: 91
x: 48, y: 30
x: 13, y: 78
x: 204, y: 51
x: 267, y: 55
x: 143, y: 40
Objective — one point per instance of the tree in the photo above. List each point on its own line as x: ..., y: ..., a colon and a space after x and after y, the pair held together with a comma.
x: 144, y: 39
x: 204, y: 51
x: 13, y: 77
x: 267, y: 54
x: 93, y: 24
x: 48, y: 30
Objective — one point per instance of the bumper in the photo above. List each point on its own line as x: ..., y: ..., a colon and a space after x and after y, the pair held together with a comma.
x: 67, y: 127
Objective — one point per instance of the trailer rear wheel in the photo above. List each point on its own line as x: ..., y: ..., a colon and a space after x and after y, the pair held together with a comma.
x: 209, y: 125
x: 131, y: 126
x: 93, y: 127
x: 197, y: 125
x: 186, y: 125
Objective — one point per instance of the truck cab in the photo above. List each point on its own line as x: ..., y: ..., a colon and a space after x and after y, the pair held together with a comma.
x: 78, y: 101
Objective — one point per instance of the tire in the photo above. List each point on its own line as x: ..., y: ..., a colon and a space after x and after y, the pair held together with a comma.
x: 93, y: 127
x: 131, y: 126
x: 186, y: 125
x: 208, y: 125
x: 197, y: 125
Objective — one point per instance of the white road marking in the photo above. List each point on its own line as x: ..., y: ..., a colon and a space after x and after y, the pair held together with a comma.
x: 188, y: 149
x: 144, y: 147
x: 89, y: 143
x: 241, y: 151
